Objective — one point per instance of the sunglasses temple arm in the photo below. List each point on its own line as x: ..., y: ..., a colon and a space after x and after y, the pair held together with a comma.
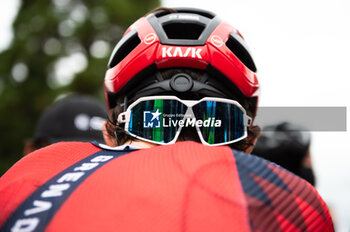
x: 247, y: 120
x: 123, y: 117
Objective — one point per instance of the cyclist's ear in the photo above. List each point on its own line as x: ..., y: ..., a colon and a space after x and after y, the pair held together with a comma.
x: 253, y: 135
x: 28, y: 147
x: 109, y: 139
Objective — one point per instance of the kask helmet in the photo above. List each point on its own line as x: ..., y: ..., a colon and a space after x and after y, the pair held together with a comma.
x: 180, y: 38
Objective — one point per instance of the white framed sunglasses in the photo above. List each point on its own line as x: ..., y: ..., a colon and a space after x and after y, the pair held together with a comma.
x: 160, y: 119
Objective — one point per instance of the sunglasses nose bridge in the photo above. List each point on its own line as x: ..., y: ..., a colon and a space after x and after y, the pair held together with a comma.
x: 189, y: 104
x: 190, y: 115
x: 188, y: 112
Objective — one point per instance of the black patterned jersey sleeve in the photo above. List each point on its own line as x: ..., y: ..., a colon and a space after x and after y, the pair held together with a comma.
x: 279, y: 200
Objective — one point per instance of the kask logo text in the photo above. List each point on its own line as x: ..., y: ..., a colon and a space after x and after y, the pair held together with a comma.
x: 181, y: 52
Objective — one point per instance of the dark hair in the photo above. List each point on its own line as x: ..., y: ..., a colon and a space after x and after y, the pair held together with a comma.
x: 117, y: 130
x: 37, y: 143
x: 161, y: 9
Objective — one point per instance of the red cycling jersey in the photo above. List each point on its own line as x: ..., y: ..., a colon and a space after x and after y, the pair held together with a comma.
x: 74, y: 186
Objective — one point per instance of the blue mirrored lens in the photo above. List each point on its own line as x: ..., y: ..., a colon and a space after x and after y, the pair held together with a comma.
x: 156, y: 120
x: 222, y: 122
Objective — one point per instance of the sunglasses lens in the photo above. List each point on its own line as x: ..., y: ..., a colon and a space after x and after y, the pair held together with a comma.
x: 222, y: 122
x: 153, y: 119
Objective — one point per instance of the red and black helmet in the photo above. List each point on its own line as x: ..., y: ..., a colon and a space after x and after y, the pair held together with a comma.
x: 180, y: 38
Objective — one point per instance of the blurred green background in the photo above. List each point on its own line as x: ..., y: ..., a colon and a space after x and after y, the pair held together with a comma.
x: 59, y: 47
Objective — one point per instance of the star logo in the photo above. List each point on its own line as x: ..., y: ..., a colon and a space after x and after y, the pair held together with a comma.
x: 151, y: 119
x: 155, y: 115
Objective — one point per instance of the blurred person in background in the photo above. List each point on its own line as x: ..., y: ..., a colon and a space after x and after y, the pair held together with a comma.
x: 288, y: 145
x: 181, y: 93
x: 73, y: 118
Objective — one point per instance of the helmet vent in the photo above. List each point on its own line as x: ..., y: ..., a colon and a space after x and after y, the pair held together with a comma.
x: 241, y: 52
x: 164, y: 11
x: 190, y: 31
x: 127, y: 46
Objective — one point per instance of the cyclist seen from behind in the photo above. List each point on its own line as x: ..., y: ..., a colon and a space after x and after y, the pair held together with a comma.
x: 183, y: 79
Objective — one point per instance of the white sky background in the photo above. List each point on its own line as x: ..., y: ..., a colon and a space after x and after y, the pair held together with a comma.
x: 301, y: 49
x: 8, y: 10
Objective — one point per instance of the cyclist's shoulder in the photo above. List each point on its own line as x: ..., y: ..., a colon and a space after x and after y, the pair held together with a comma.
x: 52, y: 157
x: 260, y: 177
x: 266, y: 173
x: 63, y: 151
x: 272, y: 189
